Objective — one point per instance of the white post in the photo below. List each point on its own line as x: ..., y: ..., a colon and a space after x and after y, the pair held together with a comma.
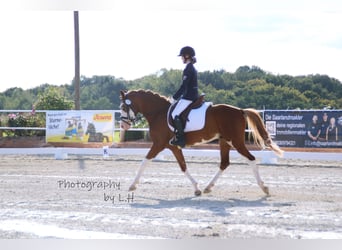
x: 60, y: 154
x: 268, y: 157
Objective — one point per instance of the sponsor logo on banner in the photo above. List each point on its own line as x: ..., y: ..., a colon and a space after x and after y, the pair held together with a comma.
x: 305, y: 128
x: 79, y: 126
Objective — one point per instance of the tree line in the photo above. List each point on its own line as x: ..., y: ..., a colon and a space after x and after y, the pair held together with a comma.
x: 247, y: 87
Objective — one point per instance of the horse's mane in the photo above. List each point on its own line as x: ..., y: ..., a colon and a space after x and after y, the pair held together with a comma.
x: 150, y: 94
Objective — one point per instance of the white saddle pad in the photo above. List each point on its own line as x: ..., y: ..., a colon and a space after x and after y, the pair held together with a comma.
x: 196, y: 118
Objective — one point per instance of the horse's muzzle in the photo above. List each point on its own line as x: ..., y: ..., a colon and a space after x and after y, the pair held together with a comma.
x: 125, y: 125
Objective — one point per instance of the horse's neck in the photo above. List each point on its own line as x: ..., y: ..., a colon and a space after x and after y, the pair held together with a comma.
x: 152, y: 107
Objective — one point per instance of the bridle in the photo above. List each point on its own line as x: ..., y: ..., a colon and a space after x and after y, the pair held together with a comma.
x: 127, y: 107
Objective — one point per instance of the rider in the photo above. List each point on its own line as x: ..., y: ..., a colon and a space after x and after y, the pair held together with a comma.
x: 186, y: 94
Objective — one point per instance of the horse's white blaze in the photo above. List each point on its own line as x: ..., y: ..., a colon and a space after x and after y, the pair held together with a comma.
x: 131, y: 114
x: 123, y: 113
x: 126, y: 123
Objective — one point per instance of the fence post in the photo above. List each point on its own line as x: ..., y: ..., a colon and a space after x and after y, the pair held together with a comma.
x: 60, y: 154
x: 268, y: 157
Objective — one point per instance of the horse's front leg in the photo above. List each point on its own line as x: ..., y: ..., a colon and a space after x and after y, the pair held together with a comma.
x: 213, y: 181
x: 139, y: 174
x: 224, y: 152
x: 153, y: 152
x: 181, y: 161
x: 198, y: 192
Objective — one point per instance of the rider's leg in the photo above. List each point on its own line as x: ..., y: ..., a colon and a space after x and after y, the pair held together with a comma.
x: 179, y: 139
x: 180, y: 107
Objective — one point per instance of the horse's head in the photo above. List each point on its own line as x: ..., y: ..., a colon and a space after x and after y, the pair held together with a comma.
x: 90, y: 129
x: 128, y: 115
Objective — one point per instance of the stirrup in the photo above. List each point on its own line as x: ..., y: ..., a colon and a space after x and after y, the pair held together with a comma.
x: 176, y: 142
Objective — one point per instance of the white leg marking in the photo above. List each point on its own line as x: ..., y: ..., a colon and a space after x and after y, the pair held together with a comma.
x: 213, y: 181
x: 258, y: 178
x: 194, y: 183
x: 139, y: 174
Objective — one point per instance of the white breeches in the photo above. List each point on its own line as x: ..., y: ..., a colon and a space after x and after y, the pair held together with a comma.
x: 181, y: 106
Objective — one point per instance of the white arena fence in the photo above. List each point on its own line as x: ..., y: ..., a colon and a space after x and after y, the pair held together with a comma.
x: 267, y: 157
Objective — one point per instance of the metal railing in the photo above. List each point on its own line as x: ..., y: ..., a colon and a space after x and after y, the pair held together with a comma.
x: 21, y: 111
x: 44, y: 129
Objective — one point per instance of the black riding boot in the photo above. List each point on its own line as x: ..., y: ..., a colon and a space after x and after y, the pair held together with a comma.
x: 179, y: 139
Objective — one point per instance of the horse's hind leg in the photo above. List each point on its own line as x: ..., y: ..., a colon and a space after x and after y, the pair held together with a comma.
x: 258, y: 179
x: 244, y: 151
x: 181, y: 161
x: 224, y: 152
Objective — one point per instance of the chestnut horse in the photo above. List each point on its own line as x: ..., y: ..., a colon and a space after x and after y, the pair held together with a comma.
x: 223, y: 122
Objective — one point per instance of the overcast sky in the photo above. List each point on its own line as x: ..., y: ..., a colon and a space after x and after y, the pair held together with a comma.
x: 134, y: 38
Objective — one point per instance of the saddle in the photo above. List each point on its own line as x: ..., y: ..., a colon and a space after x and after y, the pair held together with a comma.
x: 185, y: 114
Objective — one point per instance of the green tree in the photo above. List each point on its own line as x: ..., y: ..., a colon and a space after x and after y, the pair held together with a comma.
x: 100, y: 92
x: 52, y: 99
x: 17, y: 98
x: 246, y: 87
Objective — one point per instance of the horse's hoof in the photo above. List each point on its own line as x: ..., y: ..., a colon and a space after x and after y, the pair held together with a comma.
x: 198, y: 192
x: 207, y: 190
x: 132, y: 188
x: 266, y: 190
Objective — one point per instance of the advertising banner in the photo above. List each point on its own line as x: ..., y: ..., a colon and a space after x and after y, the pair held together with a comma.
x: 305, y: 128
x: 79, y: 126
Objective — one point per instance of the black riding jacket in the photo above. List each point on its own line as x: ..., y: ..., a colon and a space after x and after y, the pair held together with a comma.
x: 189, y: 88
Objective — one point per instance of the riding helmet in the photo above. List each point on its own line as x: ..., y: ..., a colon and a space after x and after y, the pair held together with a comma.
x: 187, y: 50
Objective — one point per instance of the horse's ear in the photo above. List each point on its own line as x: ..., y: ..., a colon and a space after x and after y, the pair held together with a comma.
x: 122, y: 94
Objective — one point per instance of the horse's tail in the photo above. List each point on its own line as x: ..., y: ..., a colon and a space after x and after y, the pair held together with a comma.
x: 259, y: 132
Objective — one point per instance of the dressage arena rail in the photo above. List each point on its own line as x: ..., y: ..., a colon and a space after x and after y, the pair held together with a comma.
x: 267, y: 157
x: 44, y: 129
